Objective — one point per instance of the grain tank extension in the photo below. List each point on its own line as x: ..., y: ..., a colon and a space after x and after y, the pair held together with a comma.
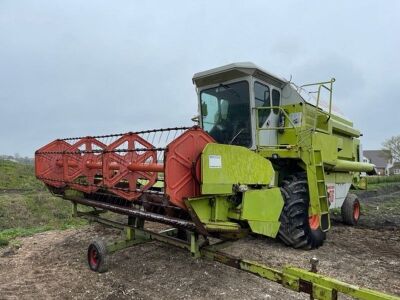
x: 266, y: 157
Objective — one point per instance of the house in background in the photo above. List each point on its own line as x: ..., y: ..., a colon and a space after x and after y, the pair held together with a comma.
x: 395, y: 169
x: 382, y: 160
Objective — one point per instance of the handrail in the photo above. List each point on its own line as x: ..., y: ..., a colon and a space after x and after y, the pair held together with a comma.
x: 274, y: 107
x: 323, y: 85
x: 293, y: 126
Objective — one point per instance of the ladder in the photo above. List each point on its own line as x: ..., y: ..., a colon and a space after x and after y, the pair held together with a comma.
x: 317, y: 189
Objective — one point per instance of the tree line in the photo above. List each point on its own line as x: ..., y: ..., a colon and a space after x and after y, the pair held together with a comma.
x: 18, y: 158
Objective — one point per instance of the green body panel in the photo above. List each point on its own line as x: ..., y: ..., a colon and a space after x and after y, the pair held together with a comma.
x: 212, y: 212
x: 290, y: 135
x: 338, y: 177
x: 328, y: 145
x: 339, y: 127
x: 360, y: 183
x: 267, y: 228
x: 262, y: 209
x: 211, y: 208
x: 225, y: 170
x: 282, y: 153
x: 224, y: 166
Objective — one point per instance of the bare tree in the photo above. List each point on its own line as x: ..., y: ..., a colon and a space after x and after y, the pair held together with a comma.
x: 393, y: 145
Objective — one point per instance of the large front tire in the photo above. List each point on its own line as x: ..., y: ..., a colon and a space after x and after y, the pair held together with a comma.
x: 297, y: 230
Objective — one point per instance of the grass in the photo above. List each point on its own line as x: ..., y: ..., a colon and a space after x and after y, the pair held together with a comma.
x: 9, y: 234
x: 32, y: 210
x: 15, y: 175
x: 12, y: 233
x: 383, y: 179
x: 382, y: 185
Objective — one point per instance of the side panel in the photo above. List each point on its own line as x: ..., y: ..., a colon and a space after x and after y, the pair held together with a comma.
x: 289, y: 136
x: 262, y: 209
x: 338, y: 186
x: 328, y: 145
x: 223, y: 166
x: 212, y: 212
x: 337, y: 193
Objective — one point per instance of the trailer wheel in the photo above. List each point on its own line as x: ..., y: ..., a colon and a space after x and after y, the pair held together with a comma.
x: 97, y: 256
x: 351, y: 210
x: 297, y: 229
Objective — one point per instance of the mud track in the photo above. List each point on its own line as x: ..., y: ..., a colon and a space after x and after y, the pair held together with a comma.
x: 53, y: 265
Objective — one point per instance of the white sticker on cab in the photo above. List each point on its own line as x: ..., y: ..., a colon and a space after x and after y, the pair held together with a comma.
x: 214, y: 161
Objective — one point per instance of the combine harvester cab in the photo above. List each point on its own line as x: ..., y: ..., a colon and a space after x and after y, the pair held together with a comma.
x: 265, y: 158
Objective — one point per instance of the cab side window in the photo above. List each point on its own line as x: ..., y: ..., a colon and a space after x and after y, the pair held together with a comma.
x: 276, y: 100
x: 262, y: 99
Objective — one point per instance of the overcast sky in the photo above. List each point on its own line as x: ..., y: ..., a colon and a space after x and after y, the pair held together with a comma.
x: 90, y: 67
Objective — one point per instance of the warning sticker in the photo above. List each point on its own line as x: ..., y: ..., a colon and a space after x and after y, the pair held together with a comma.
x: 214, y: 161
x: 330, y: 189
x: 296, y: 118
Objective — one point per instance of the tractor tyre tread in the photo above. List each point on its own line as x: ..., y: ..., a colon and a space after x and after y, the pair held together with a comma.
x: 295, y: 230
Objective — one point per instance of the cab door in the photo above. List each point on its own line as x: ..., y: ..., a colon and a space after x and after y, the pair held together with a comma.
x: 266, y: 97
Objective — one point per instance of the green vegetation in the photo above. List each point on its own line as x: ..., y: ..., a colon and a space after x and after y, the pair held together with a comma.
x: 383, y: 179
x: 8, y: 234
x: 32, y: 210
x: 15, y: 175
x: 382, y: 185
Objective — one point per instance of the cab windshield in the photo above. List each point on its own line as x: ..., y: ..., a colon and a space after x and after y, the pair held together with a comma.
x: 225, y: 113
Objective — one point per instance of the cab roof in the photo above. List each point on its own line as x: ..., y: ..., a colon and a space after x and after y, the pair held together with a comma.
x: 236, y: 70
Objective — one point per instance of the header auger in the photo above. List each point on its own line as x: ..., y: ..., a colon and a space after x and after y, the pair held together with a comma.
x: 266, y: 157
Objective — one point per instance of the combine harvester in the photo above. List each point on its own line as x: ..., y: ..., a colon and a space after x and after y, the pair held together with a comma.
x: 263, y: 159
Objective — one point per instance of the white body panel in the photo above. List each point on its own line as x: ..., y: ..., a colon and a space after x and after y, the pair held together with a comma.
x: 337, y: 193
x: 267, y: 137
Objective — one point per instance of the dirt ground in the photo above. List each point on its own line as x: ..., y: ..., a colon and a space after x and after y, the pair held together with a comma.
x: 53, y: 264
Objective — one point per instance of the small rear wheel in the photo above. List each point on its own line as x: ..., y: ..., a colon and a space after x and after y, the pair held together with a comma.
x: 97, y: 256
x: 351, y: 210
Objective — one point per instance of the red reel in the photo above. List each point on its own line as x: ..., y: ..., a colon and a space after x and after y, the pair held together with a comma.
x: 80, y: 169
x: 50, y: 165
x: 182, y: 168
x: 116, y: 173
